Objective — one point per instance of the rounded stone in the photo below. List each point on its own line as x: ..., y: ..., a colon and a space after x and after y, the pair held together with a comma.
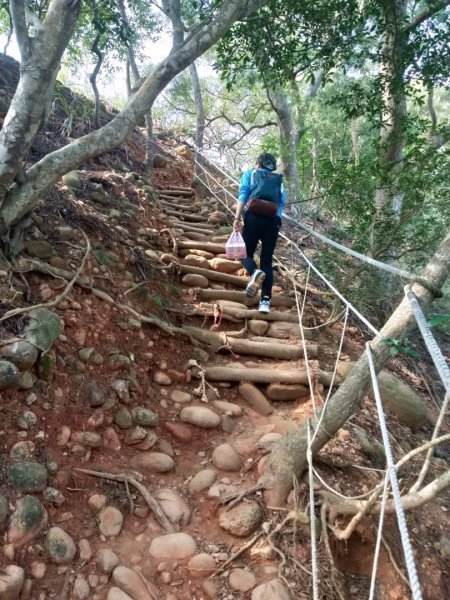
x: 226, y: 458
x: 27, y: 420
x: 241, y: 520
x: 179, y: 431
x: 123, y: 418
x: 227, y: 408
x: 9, y: 375
x: 12, y: 579
x: 84, y: 550
x: 116, y: 593
x: 152, y: 462
x: 22, y: 450
x: 256, y: 399
x: 258, y: 327
x: 27, y: 521
x: 20, y: 353
x: 110, y: 521
x: 144, y: 417
x: 134, y: 583
x: 162, y: 378
x: 87, y: 438
x: 201, y: 565
x: 200, y: 416
x: 268, y: 441
x: 28, y: 476
x: 180, y: 397
x: 174, y: 506
x: 286, y: 392
x: 241, y: 580
x: 194, y: 280
x: 202, y: 481
x: 272, y: 590
x: 60, y: 546
x: 173, y: 546
x: 107, y: 560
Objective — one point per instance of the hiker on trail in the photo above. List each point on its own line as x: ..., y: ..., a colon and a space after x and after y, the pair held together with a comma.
x: 261, y: 200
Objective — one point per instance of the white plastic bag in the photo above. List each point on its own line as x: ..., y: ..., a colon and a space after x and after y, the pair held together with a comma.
x: 235, y: 246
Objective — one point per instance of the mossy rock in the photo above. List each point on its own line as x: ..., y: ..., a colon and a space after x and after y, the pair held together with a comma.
x: 43, y: 329
x: 28, y: 476
x: 72, y: 180
x: 27, y: 521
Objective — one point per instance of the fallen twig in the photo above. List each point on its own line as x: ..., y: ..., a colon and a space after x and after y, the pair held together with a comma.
x: 233, y: 557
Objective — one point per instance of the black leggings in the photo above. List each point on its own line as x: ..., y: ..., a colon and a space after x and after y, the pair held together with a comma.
x: 258, y: 228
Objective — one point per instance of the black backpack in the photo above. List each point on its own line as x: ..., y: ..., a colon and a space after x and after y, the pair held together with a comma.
x: 266, y: 185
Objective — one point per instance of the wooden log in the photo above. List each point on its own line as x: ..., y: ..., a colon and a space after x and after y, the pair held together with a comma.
x: 188, y: 208
x: 292, y: 376
x: 238, y: 346
x: 175, y: 200
x: 177, y: 192
x: 209, y: 247
x: 199, y: 225
x: 241, y: 297
x: 181, y: 215
x: 242, y: 314
x: 198, y: 237
x: 193, y: 228
x: 181, y: 188
x: 215, y: 276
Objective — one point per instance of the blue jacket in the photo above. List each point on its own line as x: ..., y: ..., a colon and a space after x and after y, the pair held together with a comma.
x: 245, y: 190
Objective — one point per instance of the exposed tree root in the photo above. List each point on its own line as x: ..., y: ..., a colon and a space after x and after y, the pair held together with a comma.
x: 233, y: 557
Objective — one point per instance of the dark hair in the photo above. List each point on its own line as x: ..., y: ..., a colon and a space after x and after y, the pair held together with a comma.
x: 268, y: 161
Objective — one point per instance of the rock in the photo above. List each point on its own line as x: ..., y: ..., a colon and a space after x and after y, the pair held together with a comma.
x: 241, y: 580
x: 194, y: 280
x: 20, y: 353
x: 117, y: 594
x: 179, y: 431
x: 194, y: 260
x: 38, y: 569
x: 282, y: 330
x: 43, y: 328
x: 4, y: 508
x: 12, y: 579
x: 107, y: 560
x: 22, y: 450
x: 180, y: 397
x: 283, y: 391
x: 60, y: 546
x: 135, y: 435
x: 94, y: 394
x: 27, y: 420
x: 221, y: 490
x: 27, y: 521
x: 122, y: 389
x: 268, y: 441
x: 223, y: 265
x: 241, y: 520
x: 173, y: 546
x: 226, y: 458
x: 218, y: 218
x: 96, y: 502
x: 397, y: 397
x: 134, y: 584
x: 174, y: 506
x: 72, y: 180
x: 272, y: 590
x: 210, y: 588
x: 87, y: 438
x: 81, y: 588
x: 26, y: 381
x: 199, y: 355
x: 227, y: 408
x: 200, y: 416
x: 202, y: 481
x: 160, y: 161
x: 152, y: 462
x: 144, y: 417
x: 256, y: 399
x: 258, y: 327
x: 28, y: 476
x: 122, y: 418
x: 110, y: 440
x: 84, y: 550
x: 39, y: 249
x: 63, y: 435
x: 9, y: 375
x: 110, y: 521
x: 201, y: 565
x: 116, y: 362
x: 162, y: 378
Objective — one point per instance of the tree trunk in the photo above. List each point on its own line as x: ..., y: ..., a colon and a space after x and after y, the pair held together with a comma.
x: 93, y: 79
x: 40, y: 62
x: 200, y: 113
x: 280, y: 105
x: 288, y: 458
x: 149, y: 146
x: 20, y: 124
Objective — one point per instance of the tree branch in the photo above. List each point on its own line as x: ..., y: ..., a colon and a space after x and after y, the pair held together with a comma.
x: 17, y: 8
x: 425, y: 14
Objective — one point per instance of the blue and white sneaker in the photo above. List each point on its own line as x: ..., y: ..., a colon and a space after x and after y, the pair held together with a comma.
x: 264, y: 305
x: 255, y: 283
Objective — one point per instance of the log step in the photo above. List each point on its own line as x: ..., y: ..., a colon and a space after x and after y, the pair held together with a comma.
x: 176, y: 192
x: 208, y: 246
x: 188, y: 217
x: 192, y: 208
x: 243, y: 298
x: 243, y: 314
x: 292, y: 376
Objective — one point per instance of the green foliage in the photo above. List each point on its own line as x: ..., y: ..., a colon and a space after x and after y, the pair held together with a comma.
x: 440, y: 322
x: 401, y: 346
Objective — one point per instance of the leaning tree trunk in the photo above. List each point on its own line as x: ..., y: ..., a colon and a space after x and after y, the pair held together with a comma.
x: 93, y: 79
x: 40, y: 62
x: 288, y: 458
x: 149, y: 146
x: 200, y: 114
x: 20, y: 124
x: 280, y: 105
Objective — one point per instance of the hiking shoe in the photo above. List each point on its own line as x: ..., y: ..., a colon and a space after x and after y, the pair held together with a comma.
x: 264, y: 305
x: 254, y: 283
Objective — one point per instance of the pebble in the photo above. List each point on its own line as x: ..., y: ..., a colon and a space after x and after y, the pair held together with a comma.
x: 210, y: 588
x: 152, y: 462
x: 107, y: 560
x: 22, y: 450
x: 173, y: 546
x: 227, y: 408
x: 241, y: 580
x: 174, y: 506
x: 144, y: 417
x: 201, y: 565
x: 180, y: 397
x: 110, y: 521
x: 110, y: 440
x: 200, y: 416
x: 4, y: 508
x: 11, y: 582
x: 27, y: 420
x: 134, y: 584
x: 202, y: 481
x: 162, y: 378
x: 117, y: 594
x: 94, y: 394
x: 81, y: 589
x: 122, y: 418
x: 60, y: 546
x: 84, y: 550
x: 96, y: 502
x: 38, y: 569
x: 87, y: 438
x: 226, y: 458
x: 21, y: 353
x: 135, y: 435
x: 444, y: 545
x: 63, y: 435
x: 179, y: 431
x: 122, y: 389
x: 241, y: 520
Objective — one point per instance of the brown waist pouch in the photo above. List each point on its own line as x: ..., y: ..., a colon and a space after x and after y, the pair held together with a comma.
x: 258, y: 206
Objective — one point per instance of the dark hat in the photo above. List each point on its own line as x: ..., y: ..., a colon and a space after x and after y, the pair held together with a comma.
x: 268, y: 161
